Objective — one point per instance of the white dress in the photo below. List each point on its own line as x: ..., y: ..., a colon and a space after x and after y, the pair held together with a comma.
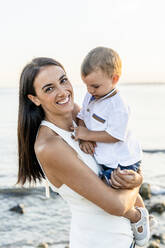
x: 91, y: 226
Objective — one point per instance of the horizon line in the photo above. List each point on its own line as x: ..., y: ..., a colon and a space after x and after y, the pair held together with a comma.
x: 120, y: 83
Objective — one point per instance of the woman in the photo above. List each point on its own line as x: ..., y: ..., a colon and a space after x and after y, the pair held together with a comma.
x: 47, y: 114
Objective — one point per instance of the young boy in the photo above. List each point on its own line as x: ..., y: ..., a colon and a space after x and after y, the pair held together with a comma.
x: 103, y: 125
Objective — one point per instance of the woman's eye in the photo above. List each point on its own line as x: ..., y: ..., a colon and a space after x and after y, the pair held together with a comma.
x: 64, y: 80
x: 48, y: 89
x: 96, y: 87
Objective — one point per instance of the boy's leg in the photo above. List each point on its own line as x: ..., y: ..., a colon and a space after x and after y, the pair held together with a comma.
x: 139, y: 202
x: 140, y: 225
x: 105, y: 174
x: 138, y: 215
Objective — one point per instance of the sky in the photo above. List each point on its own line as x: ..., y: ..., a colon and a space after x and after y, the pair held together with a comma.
x: 67, y: 30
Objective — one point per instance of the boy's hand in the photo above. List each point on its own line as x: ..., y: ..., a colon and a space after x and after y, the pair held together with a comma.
x: 81, y: 133
x: 87, y: 146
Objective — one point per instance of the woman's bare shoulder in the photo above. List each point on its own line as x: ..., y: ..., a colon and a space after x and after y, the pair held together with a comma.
x: 50, y: 145
x: 46, y: 139
x: 49, y: 149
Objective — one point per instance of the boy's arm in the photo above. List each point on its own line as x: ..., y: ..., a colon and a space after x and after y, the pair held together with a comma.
x: 86, y: 146
x: 83, y: 133
x: 116, y: 129
x: 81, y: 123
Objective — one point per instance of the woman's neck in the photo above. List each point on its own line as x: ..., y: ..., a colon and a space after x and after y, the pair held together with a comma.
x: 64, y: 122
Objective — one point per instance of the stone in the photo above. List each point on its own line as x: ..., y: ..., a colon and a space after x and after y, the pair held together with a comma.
x: 156, y: 236
x: 154, y: 244
x: 160, y: 237
x: 158, y: 207
x: 42, y: 245
x: 145, y: 191
x: 18, y: 209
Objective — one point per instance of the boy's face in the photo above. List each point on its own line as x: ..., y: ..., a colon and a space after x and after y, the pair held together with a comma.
x: 99, y: 84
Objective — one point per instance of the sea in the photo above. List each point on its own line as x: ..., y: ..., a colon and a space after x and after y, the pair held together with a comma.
x: 47, y: 220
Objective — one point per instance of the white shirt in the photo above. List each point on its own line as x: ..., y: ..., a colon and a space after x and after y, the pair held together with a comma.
x: 111, y: 114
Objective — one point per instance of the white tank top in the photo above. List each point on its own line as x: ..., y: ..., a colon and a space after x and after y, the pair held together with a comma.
x: 91, y: 226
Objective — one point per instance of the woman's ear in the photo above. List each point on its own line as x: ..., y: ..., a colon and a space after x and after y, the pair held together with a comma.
x: 34, y: 99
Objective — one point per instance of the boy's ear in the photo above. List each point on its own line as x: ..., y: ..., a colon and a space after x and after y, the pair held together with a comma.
x: 34, y: 99
x: 115, y: 78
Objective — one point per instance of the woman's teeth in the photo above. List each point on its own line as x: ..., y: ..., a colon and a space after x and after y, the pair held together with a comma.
x: 64, y: 101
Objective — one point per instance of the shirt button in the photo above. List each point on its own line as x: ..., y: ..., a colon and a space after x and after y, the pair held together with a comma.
x: 88, y: 110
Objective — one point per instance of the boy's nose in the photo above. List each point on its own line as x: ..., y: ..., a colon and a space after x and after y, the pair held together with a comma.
x: 91, y: 91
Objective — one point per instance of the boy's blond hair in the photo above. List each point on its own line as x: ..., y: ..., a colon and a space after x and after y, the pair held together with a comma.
x: 102, y: 58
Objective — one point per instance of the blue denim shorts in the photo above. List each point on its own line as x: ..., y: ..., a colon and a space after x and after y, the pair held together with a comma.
x: 106, y: 171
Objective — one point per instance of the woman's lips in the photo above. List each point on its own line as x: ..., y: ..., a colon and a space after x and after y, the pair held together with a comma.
x: 64, y: 100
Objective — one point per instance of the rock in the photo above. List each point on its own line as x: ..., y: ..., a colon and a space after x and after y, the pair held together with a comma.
x: 158, y: 207
x: 145, y: 191
x: 42, y: 245
x: 160, y: 237
x: 157, y: 190
x: 18, y: 209
x: 154, y: 244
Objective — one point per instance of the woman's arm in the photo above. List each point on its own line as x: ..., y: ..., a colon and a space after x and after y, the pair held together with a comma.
x: 61, y: 162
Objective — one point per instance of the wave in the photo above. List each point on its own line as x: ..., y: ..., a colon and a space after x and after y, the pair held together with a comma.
x: 23, y: 191
x: 154, y: 150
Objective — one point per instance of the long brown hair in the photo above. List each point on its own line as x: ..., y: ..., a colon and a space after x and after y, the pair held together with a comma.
x: 29, y: 119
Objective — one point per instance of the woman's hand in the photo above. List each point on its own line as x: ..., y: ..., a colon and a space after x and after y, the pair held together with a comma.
x: 126, y: 179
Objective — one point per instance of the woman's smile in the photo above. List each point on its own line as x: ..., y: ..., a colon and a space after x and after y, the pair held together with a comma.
x: 64, y: 101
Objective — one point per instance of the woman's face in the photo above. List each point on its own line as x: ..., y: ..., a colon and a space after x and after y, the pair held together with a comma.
x: 53, y: 90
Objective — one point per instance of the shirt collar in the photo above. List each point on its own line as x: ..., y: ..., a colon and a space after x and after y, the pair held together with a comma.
x: 111, y: 93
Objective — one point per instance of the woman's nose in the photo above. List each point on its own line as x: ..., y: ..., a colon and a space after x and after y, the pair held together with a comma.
x: 61, y: 91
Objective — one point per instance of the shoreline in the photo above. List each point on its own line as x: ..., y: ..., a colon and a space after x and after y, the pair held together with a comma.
x: 36, y: 204
x: 80, y: 84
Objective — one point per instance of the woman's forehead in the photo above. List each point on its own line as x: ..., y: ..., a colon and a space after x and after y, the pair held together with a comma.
x: 49, y: 74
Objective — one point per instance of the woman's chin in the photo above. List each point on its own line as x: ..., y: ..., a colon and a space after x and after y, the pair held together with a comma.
x: 66, y: 107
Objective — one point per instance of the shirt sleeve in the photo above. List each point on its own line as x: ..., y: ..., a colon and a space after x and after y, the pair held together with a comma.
x: 81, y: 114
x: 118, y: 123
